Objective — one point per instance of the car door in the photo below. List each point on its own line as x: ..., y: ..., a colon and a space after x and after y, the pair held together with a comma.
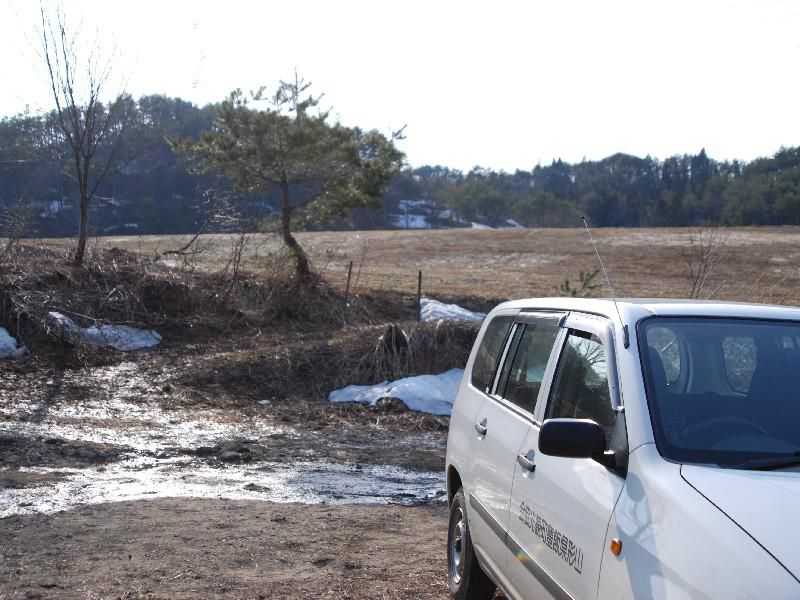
x: 500, y: 427
x: 560, y: 507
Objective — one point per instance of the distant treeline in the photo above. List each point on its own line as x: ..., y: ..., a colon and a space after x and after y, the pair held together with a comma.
x: 154, y: 193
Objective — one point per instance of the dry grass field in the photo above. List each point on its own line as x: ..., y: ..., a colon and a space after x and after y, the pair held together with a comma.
x: 760, y: 264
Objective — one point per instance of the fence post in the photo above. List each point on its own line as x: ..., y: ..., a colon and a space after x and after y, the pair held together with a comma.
x: 419, y: 295
x: 347, y: 287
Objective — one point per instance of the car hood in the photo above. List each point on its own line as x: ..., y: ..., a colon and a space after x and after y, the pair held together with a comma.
x: 763, y: 503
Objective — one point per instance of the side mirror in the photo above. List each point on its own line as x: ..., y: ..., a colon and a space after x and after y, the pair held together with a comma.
x: 572, y: 438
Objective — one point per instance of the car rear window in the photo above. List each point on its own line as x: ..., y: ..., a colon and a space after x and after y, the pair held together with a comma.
x: 489, y: 352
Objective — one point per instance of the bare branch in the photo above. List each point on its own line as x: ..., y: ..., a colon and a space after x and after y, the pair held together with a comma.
x: 706, y: 250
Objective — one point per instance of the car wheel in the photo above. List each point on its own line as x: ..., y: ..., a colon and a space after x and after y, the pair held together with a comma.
x: 467, y: 579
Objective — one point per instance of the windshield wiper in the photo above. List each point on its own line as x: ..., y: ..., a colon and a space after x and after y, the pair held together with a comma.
x: 767, y: 464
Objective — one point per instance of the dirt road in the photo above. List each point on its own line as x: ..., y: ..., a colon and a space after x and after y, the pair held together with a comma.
x: 191, y: 548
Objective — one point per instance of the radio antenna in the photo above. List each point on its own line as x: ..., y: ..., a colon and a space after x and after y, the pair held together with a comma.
x: 625, y: 339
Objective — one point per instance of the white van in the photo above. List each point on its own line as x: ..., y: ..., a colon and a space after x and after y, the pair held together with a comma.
x: 638, y: 449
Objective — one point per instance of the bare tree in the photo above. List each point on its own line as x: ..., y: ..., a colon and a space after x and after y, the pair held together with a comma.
x: 89, y: 130
x: 706, y: 250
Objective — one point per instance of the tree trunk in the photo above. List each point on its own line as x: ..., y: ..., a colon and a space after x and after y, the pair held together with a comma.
x: 82, y: 229
x: 302, y: 269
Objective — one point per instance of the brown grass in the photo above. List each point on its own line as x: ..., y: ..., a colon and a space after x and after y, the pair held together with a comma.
x: 456, y: 263
x: 277, y: 338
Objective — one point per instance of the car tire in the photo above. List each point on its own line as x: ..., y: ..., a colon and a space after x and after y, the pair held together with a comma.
x: 465, y: 576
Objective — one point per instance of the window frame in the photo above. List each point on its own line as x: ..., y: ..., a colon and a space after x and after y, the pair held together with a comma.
x: 504, y: 373
x: 522, y: 319
x: 487, y: 391
x: 593, y: 325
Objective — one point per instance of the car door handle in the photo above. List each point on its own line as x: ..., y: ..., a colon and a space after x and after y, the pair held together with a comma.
x: 481, y: 427
x: 526, y: 461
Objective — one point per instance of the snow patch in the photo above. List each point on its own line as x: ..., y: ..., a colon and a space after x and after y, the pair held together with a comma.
x: 433, y: 310
x: 475, y: 225
x: 8, y: 345
x: 410, y: 221
x: 432, y: 394
x: 413, y: 204
x: 119, y: 337
x: 514, y: 224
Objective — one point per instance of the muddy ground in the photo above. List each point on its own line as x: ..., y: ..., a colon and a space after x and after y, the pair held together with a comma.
x: 140, y: 479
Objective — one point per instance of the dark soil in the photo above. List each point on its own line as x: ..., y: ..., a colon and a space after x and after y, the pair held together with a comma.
x: 28, y: 451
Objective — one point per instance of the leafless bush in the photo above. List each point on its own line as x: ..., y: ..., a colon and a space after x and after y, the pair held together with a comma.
x: 234, y: 264
x: 112, y: 287
x: 763, y: 290
x: 706, y: 250
x: 424, y: 348
x: 15, y: 223
x: 219, y: 213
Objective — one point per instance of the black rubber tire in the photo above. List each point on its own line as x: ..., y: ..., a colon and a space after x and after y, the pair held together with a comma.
x: 465, y: 576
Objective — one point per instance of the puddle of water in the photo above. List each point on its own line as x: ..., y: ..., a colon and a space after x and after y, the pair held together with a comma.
x: 120, y: 408
x: 304, y: 482
x: 115, y: 413
x: 154, y: 433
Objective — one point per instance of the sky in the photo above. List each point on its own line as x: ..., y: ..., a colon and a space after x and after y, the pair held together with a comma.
x: 501, y: 84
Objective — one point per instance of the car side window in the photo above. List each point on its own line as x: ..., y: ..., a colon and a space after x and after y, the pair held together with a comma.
x: 580, y: 388
x: 489, y: 352
x: 530, y: 361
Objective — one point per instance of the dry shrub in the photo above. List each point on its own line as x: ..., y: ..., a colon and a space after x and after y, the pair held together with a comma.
x: 313, y: 340
x: 706, y: 250
x: 115, y: 286
x: 426, y: 348
x: 376, y: 354
x: 353, y: 356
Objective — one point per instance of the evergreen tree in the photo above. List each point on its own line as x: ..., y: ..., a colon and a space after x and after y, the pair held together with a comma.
x: 320, y: 169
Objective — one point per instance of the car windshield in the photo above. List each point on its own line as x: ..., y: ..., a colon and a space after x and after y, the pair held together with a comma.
x: 724, y: 391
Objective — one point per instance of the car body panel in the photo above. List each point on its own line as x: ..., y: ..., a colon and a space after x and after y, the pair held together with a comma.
x: 559, y: 516
x: 677, y: 544
x: 461, y: 432
x: 766, y: 505
x: 492, y: 473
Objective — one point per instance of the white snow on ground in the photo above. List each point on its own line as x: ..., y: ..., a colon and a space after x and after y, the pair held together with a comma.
x: 433, y: 310
x: 514, y: 224
x: 8, y: 345
x: 432, y: 394
x: 475, y: 225
x: 119, y: 337
x: 410, y: 221
x: 413, y: 204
